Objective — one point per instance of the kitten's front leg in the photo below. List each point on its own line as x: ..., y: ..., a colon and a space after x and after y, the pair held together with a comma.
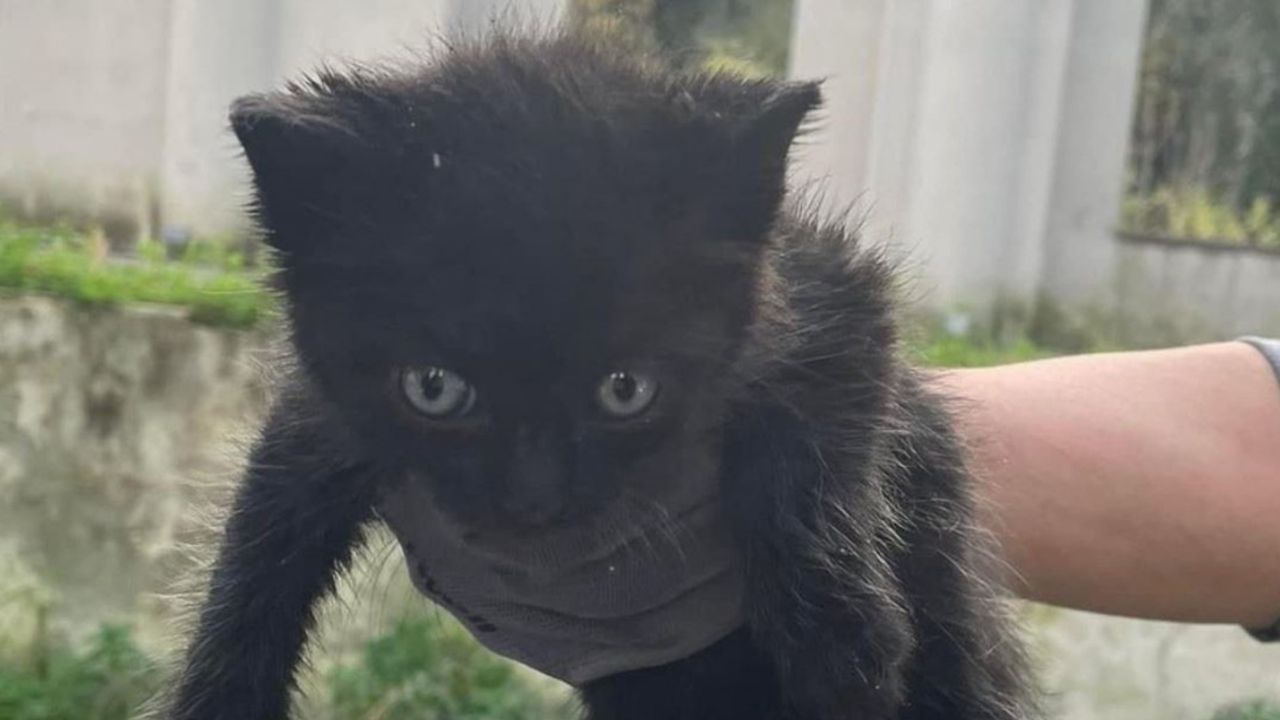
x: 297, y: 515
x: 822, y: 599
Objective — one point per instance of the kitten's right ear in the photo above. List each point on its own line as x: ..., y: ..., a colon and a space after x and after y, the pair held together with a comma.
x: 302, y: 154
x: 283, y: 133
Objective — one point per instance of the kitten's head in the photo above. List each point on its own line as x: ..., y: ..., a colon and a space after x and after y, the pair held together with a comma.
x: 522, y: 274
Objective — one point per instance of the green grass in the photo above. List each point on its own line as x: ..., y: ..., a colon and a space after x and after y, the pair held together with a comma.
x: 216, y: 287
x: 430, y: 669
x: 423, y: 669
x: 963, y: 352
x: 108, y: 680
x: 209, y: 281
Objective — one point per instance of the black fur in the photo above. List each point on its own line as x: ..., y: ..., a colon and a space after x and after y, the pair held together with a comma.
x: 532, y: 210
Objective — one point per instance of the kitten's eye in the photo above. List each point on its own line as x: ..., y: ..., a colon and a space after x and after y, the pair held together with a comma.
x: 625, y: 395
x: 438, y: 393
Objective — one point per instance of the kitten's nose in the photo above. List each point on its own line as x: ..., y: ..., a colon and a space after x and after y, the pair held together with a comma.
x: 536, y: 482
x: 528, y: 509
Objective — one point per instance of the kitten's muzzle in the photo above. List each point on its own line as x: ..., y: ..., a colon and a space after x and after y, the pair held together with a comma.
x: 535, y: 493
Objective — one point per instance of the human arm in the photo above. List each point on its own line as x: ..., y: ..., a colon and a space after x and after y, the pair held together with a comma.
x: 1144, y: 484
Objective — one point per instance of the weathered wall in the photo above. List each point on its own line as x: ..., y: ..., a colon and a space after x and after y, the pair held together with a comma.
x: 107, y: 415
x: 1188, y: 291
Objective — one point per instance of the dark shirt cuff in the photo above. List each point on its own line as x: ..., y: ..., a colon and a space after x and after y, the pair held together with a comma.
x: 1270, y: 349
x: 1271, y: 634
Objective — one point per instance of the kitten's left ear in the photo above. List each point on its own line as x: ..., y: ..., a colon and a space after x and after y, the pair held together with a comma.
x: 759, y: 144
x: 766, y: 135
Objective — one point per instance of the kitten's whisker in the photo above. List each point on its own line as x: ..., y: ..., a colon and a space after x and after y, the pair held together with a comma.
x: 670, y: 529
x: 655, y: 523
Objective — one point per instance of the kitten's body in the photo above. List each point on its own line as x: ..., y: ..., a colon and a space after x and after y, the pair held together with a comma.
x: 544, y: 212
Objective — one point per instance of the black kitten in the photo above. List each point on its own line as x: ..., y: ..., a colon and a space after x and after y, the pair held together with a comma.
x: 553, y: 325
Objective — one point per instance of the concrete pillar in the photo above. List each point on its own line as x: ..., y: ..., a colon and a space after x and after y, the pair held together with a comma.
x: 971, y: 138
x: 220, y: 50
x: 217, y: 51
x: 838, y: 42
x: 893, y: 112
x: 334, y: 31
x: 986, y: 137
x: 81, y: 92
x: 467, y: 17
x: 1098, y: 96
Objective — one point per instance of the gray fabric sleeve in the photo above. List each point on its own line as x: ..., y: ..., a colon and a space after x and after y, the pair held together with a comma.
x: 1271, y: 350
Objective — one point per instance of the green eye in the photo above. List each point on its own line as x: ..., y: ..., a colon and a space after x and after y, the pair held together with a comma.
x: 623, y: 395
x: 437, y: 392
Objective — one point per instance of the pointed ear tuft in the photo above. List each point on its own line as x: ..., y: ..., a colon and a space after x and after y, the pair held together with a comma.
x: 767, y: 134
x: 760, y: 142
x: 283, y: 133
x: 303, y: 152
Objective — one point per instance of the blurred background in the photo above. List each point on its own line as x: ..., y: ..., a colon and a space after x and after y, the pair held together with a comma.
x: 1063, y: 175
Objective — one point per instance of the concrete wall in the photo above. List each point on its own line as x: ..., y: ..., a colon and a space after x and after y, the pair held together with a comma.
x: 82, y: 87
x: 1104, y: 668
x: 118, y: 110
x: 109, y: 422
x: 1168, y: 292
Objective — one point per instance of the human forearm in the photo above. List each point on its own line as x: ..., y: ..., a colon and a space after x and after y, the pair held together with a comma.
x: 1144, y: 484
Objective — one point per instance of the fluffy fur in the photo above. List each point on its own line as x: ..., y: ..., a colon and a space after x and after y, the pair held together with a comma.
x: 531, y: 211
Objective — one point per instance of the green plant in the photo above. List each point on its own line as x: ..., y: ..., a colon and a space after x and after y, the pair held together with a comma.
x: 212, y: 283
x: 109, y: 680
x: 1251, y: 710
x: 1208, y: 107
x: 1194, y: 213
x: 746, y: 37
x: 727, y: 58
x: 429, y: 669
x: 423, y: 669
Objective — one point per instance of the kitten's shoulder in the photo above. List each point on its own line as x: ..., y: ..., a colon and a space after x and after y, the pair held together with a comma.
x: 822, y: 257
